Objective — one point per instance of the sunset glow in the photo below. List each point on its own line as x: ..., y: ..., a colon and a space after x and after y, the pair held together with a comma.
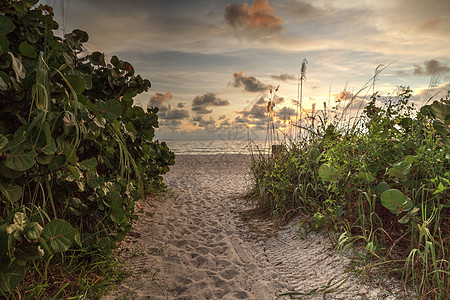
x: 212, y: 63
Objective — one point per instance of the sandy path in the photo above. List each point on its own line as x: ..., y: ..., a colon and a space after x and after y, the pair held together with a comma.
x: 194, y: 244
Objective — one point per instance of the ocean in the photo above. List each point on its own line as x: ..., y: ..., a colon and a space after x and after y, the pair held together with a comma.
x: 200, y: 147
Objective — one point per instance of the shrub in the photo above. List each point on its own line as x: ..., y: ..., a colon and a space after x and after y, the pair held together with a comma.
x: 383, y: 181
x: 75, y: 154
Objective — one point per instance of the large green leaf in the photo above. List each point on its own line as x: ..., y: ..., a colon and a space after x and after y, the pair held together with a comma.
x: 88, y: 81
x: 33, y: 230
x: 75, y: 173
x: 18, y: 139
x: 27, y: 50
x: 129, y: 95
x: 3, y: 142
x: 88, y: 164
x: 78, y: 83
x: 44, y: 159
x: 12, y: 192
x: 80, y: 35
x: 440, y: 109
x: 115, y: 61
x: 118, y: 216
x: 149, y: 133
x: 60, y: 234
x: 365, y: 176
x: 400, y: 170
x: 29, y: 253
x: 328, y: 173
x: 57, y: 162
x: 441, y: 127
x: 30, y: 3
x: 9, y: 173
x: 20, y: 159
x: 97, y: 58
x: 6, y: 25
x: 406, y: 122
x: 381, y: 188
x: 114, y: 199
x: 110, y: 109
x: 396, y: 201
x: 4, y: 46
x: 396, y: 173
x: 93, y: 179
x: 49, y: 148
x: 11, y: 276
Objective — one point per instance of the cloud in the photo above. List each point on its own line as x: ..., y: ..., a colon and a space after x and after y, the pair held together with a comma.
x: 286, y: 113
x: 250, y: 83
x: 343, y: 96
x: 303, y: 9
x: 260, y: 15
x: 256, y: 112
x: 261, y: 100
x: 432, y: 67
x: 256, y: 21
x: 283, y: 77
x: 225, y: 123
x: 402, y: 73
x: 202, y: 122
x: 241, y: 120
x: 158, y: 99
x: 172, y: 124
x: 200, y: 104
x: 168, y: 113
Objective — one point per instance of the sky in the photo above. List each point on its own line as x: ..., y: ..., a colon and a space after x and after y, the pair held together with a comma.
x: 214, y: 63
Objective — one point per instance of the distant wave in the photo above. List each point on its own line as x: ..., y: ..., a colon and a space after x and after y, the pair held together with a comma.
x: 199, y: 147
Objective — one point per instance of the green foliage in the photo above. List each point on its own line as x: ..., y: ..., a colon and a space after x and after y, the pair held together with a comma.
x: 396, y: 201
x: 382, y: 180
x: 75, y: 154
x: 441, y: 122
x: 328, y: 173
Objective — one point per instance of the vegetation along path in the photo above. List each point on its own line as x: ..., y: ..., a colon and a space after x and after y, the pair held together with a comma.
x: 194, y: 244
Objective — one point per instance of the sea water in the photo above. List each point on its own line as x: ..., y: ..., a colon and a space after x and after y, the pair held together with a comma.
x: 202, y: 147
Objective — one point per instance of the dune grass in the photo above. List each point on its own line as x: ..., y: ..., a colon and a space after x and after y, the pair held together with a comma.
x: 381, y: 180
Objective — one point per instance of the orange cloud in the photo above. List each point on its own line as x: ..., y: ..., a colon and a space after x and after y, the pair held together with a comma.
x: 260, y: 15
x: 250, y: 83
x: 159, y: 98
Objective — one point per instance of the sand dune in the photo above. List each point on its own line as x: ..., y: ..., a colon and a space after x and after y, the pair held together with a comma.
x: 193, y: 244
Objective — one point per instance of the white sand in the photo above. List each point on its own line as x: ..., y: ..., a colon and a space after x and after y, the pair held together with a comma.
x: 193, y: 244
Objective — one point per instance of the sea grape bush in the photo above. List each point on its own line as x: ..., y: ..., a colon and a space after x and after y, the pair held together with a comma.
x: 75, y: 154
x: 383, y: 181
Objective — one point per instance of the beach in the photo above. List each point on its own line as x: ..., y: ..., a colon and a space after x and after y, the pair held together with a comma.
x: 192, y: 242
